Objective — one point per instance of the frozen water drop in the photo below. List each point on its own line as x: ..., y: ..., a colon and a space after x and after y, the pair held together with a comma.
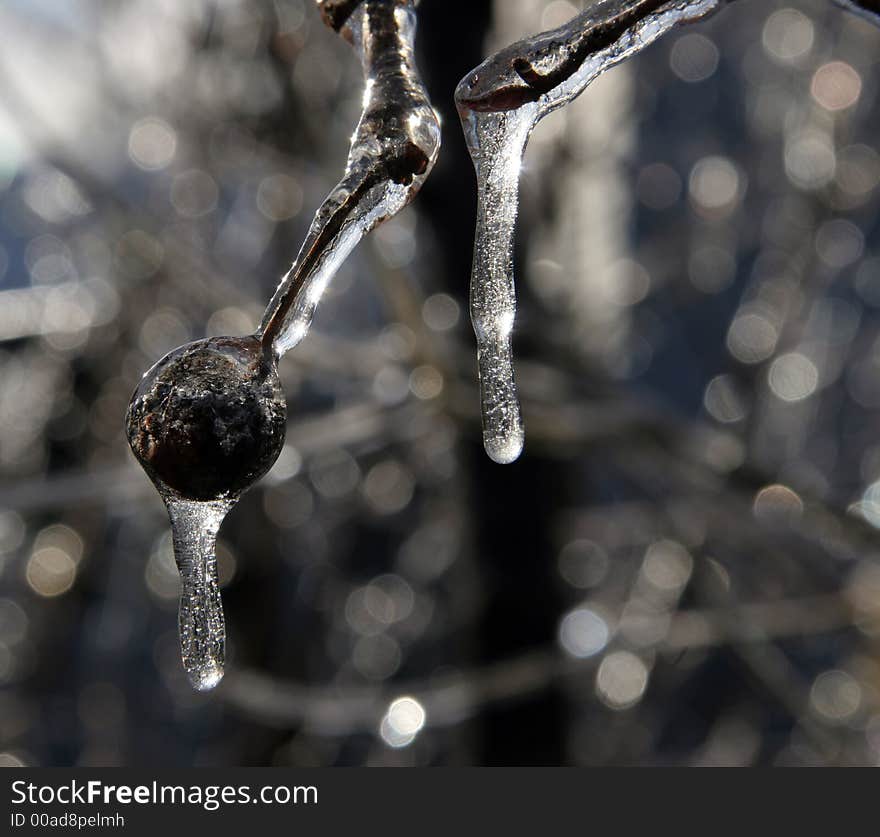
x: 194, y: 527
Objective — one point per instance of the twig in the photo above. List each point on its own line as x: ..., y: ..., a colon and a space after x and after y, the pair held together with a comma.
x: 392, y: 152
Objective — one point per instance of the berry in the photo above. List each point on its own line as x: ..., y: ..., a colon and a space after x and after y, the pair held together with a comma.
x: 208, y: 420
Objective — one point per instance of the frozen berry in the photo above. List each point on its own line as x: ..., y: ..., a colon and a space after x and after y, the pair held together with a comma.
x: 208, y: 419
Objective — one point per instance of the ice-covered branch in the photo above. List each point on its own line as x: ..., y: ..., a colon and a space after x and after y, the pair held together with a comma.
x: 499, y: 104
x: 393, y: 149
x: 208, y: 420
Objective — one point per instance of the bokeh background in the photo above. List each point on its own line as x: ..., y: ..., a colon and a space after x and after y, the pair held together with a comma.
x: 684, y: 566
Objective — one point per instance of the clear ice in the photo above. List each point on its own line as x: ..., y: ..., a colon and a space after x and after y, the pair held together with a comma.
x: 205, y: 423
x: 208, y: 420
x: 500, y: 103
x: 194, y: 527
x: 392, y: 152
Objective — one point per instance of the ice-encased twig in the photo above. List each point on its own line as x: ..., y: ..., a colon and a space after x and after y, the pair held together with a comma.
x: 499, y: 104
x: 392, y: 152
x: 201, y: 412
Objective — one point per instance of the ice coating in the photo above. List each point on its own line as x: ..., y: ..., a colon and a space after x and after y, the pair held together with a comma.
x: 205, y: 423
x: 499, y: 104
x: 336, y: 12
x: 392, y: 152
x: 208, y: 419
x: 393, y: 149
x: 194, y: 528
x: 868, y: 9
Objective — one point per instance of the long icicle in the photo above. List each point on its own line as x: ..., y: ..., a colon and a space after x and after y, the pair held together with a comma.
x: 499, y: 104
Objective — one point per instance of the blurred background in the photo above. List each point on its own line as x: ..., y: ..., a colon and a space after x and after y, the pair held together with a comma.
x: 684, y: 566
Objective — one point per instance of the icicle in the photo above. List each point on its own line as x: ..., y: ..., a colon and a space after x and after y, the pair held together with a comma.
x: 501, y: 138
x: 194, y: 527
x: 499, y: 104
